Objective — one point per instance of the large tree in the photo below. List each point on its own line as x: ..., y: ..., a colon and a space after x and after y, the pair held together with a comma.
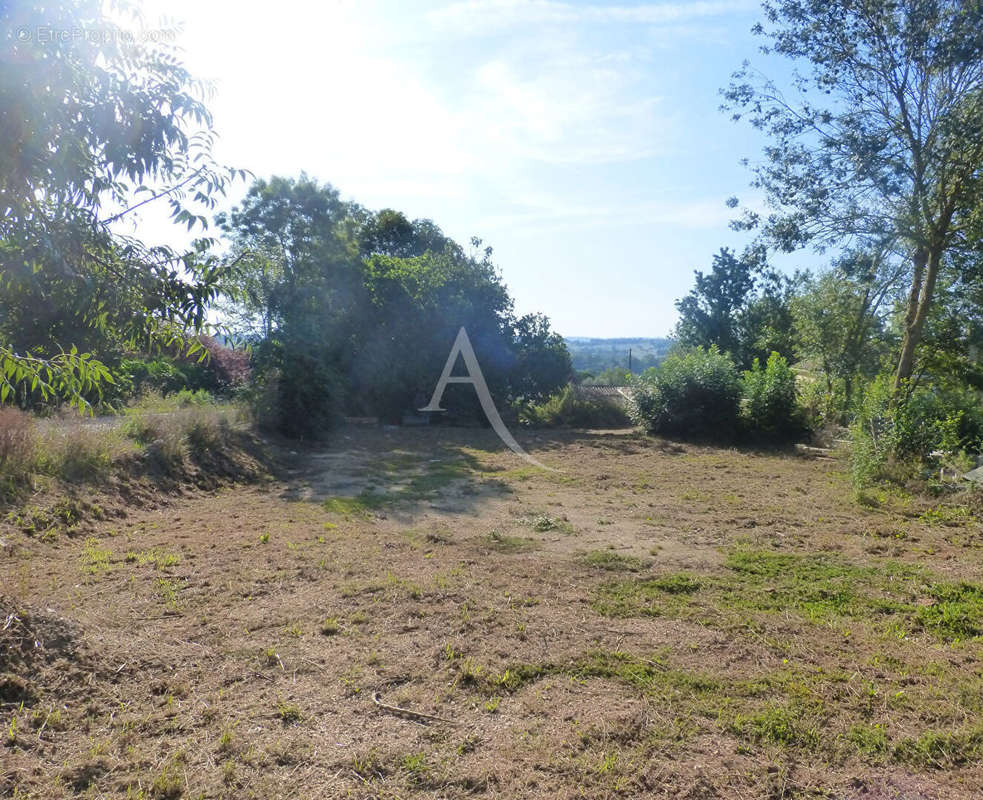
x: 93, y: 127
x: 741, y: 306
x: 839, y: 320
x: 879, y: 139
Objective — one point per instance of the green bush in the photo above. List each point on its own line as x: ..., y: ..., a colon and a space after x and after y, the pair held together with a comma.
x: 695, y: 393
x: 571, y: 408
x: 894, y: 438
x: 770, y: 398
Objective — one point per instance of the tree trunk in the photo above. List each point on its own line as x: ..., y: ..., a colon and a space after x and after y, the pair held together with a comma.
x: 926, y: 273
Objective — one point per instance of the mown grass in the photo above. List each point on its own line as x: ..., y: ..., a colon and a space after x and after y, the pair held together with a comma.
x: 891, y: 596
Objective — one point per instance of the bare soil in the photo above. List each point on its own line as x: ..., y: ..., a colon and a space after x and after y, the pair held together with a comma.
x: 651, y: 619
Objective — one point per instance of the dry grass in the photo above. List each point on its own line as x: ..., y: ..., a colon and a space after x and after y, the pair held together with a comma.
x: 704, y: 623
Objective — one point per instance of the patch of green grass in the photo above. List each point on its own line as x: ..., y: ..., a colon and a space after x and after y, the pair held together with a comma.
x: 956, y: 613
x: 780, y: 724
x: 330, y: 627
x: 95, y: 559
x: 647, y: 597
x: 611, y: 561
x: 167, y: 590
x: 889, y: 596
x: 360, y: 506
x: 947, y: 515
x: 161, y: 559
x: 288, y: 713
x: 416, y: 765
x: 941, y: 749
x: 503, y: 543
x: 870, y: 740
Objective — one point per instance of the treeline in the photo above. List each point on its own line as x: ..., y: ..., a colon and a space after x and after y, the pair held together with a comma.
x: 353, y: 311
x: 333, y: 309
x: 593, y: 359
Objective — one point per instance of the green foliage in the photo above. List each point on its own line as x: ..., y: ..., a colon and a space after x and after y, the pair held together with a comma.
x: 694, y: 393
x: 69, y: 287
x: 770, y: 398
x: 574, y: 408
x: 894, y: 436
x: 880, y: 141
x: 354, y: 311
x: 741, y: 307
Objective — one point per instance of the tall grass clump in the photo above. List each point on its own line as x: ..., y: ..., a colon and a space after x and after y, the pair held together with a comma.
x: 694, y: 393
x: 571, y: 408
x: 78, y: 452
x: 17, y: 449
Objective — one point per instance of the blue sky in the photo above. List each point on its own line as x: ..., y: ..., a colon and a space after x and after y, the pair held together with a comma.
x: 583, y: 141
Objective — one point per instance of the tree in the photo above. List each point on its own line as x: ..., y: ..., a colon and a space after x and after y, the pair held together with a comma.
x: 741, y: 307
x: 542, y: 361
x: 298, y: 291
x: 882, y: 141
x: 708, y: 314
x: 88, y: 127
x: 839, y: 320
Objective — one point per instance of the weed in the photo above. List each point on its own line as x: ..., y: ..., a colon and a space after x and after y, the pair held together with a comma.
x: 288, y: 713
x: 503, y: 543
x: 95, y: 559
x: 167, y: 591
x: 613, y: 562
x: 870, y: 740
x: 330, y: 627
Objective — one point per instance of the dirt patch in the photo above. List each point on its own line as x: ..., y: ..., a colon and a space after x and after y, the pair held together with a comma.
x: 649, y: 620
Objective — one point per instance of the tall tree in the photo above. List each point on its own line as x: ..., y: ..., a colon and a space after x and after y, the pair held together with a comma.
x: 839, y: 321
x: 741, y: 306
x: 91, y: 129
x: 880, y: 140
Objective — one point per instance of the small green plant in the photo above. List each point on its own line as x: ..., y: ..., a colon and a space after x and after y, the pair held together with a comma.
x: 168, y: 785
x: 613, y: 562
x: 330, y: 627
x: 288, y: 713
x: 95, y: 559
x: 264, y: 538
x: 226, y: 742
x: 870, y: 740
x: 491, y: 705
x: 167, y: 590
x: 416, y: 765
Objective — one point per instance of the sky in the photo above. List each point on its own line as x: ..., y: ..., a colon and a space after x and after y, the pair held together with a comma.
x: 582, y: 141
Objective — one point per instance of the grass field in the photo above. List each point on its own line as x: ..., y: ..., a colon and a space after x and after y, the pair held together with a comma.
x: 649, y: 620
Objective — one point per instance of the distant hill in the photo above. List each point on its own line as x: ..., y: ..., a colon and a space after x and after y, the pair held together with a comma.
x: 597, y: 355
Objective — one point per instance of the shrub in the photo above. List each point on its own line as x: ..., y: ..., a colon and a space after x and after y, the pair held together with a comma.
x: 694, y: 393
x: 896, y: 438
x: 770, y: 398
x: 308, y: 394
x: 571, y: 407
